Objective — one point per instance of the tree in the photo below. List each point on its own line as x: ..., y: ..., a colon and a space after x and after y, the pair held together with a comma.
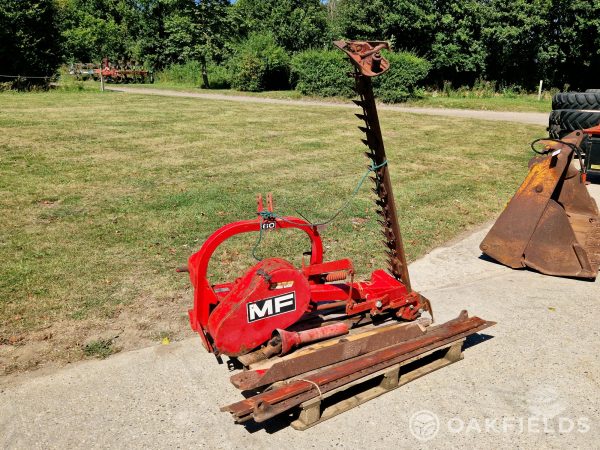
x: 570, y: 53
x: 93, y: 29
x: 29, y: 40
x: 411, y: 25
x: 514, y: 37
x: 197, y: 30
x: 408, y: 25
x: 356, y: 19
x: 458, y: 53
x: 295, y: 24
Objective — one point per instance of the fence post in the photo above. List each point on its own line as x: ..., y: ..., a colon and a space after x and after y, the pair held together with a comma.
x: 101, y: 81
x: 540, y: 90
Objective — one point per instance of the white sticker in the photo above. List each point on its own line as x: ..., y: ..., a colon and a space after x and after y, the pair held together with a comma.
x: 556, y: 152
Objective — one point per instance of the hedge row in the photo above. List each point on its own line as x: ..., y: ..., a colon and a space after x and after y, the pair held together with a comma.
x: 325, y: 73
x: 259, y: 64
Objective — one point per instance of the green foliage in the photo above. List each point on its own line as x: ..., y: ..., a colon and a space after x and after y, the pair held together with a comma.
x: 408, y: 24
x: 401, y: 82
x: 259, y: 64
x: 219, y: 77
x: 325, y: 73
x: 190, y: 73
x: 101, y: 348
x: 570, y: 53
x: 29, y: 42
x: 513, y: 36
x: 458, y: 52
x: 322, y: 73
x: 295, y: 24
x: 516, y: 43
x: 92, y: 29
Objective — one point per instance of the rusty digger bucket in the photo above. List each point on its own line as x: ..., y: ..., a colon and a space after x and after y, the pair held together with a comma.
x: 551, y: 224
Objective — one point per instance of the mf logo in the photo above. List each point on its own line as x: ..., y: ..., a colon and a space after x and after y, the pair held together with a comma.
x: 261, y: 309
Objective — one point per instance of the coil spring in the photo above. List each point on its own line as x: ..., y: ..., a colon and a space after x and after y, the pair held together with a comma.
x: 336, y: 276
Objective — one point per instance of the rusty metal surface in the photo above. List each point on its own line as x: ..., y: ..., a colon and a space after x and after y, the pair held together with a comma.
x: 273, y: 402
x: 366, y: 56
x: 551, y: 223
x: 342, y: 350
x: 368, y: 62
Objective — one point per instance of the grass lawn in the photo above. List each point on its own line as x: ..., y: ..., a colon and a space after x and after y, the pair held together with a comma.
x: 103, y: 195
x: 521, y: 103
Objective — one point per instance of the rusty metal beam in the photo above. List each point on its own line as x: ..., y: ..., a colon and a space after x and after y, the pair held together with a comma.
x: 273, y: 402
x: 344, y: 349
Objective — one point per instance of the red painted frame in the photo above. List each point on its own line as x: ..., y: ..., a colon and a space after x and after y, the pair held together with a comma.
x: 204, y: 295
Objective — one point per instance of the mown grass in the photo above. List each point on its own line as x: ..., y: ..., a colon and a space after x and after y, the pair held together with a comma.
x: 103, y: 195
x: 519, y: 103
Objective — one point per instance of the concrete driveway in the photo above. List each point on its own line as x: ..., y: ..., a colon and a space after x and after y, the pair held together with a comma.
x: 535, y: 383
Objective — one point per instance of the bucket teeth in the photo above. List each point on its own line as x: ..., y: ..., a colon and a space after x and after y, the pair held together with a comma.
x: 358, y: 103
x: 366, y: 142
x: 364, y: 130
x: 362, y: 117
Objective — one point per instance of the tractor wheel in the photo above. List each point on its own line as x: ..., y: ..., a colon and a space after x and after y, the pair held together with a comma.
x: 576, y: 100
x: 592, y: 90
x: 563, y: 121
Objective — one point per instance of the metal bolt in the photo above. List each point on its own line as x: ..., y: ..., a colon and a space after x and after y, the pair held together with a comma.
x: 411, y: 307
x: 539, y: 188
x: 378, y: 304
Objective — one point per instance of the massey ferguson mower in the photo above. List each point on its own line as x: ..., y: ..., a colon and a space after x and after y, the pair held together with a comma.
x: 302, y: 334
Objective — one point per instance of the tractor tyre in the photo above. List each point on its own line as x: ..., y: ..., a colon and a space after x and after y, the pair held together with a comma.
x: 576, y: 100
x: 592, y: 90
x: 563, y: 121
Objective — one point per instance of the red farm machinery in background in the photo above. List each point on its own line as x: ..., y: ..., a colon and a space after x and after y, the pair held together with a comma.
x: 123, y: 72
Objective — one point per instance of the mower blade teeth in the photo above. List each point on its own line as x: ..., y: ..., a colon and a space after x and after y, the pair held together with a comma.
x: 362, y: 117
x: 358, y: 103
x: 389, y: 235
x: 366, y: 142
x: 364, y: 130
x: 389, y: 245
